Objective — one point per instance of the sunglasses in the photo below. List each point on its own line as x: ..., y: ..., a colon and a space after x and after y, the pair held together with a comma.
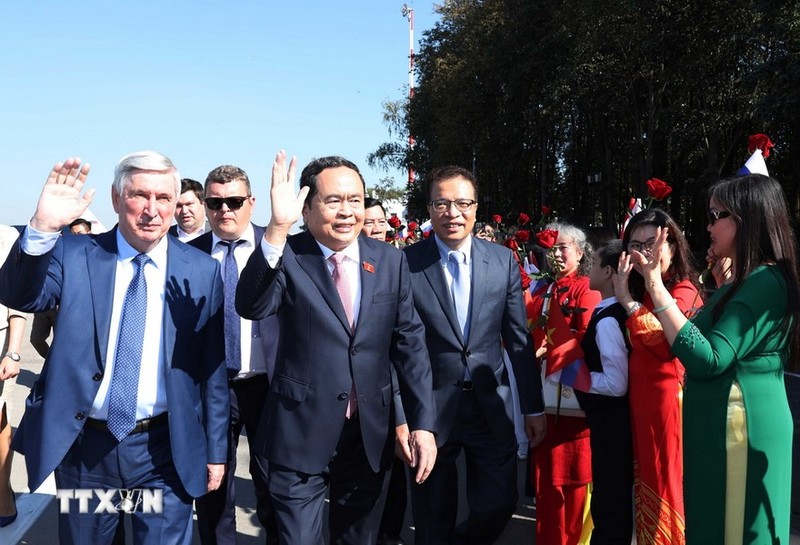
x: 714, y: 215
x: 233, y: 203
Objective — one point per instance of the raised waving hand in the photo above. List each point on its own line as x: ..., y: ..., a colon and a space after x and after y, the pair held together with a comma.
x: 61, y: 200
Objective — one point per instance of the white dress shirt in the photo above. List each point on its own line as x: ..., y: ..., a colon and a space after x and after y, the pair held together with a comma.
x: 183, y: 236
x: 444, y: 254
x: 273, y: 254
x: 613, y: 381
x: 253, y: 361
x: 152, y: 395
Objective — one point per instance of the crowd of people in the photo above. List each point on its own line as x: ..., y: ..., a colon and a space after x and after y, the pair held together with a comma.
x: 358, y: 370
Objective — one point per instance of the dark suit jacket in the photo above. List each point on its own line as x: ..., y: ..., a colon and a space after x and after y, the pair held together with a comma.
x: 78, y: 274
x: 318, y: 353
x: 497, y: 313
x: 268, y: 326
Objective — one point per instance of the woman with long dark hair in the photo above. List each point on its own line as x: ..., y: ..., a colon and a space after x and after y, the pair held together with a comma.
x: 737, y: 424
x: 655, y: 378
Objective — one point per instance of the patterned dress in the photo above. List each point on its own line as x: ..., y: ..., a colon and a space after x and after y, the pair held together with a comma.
x: 655, y: 386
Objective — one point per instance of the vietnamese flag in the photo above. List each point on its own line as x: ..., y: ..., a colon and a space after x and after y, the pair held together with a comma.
x: 562, y: 346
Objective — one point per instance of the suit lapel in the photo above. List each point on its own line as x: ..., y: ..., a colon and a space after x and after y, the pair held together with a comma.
x: 178, y: 267
x: 309, y: 258
x: 435, y: 276
x: 101, y: 267
x: 479, y: 279
x: 367, y: 269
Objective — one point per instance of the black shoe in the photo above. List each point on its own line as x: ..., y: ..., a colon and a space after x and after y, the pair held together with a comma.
x: 6, y: 520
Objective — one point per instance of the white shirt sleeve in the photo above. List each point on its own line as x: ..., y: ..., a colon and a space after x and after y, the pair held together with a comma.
x: 272, y: 253
x: 613, y: 381
x: 38, y: 242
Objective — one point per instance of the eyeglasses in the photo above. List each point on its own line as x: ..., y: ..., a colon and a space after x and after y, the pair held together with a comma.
x: 646, y: 246
x: 234, y: 203
x: 442, y: 205
x: 714, y: 215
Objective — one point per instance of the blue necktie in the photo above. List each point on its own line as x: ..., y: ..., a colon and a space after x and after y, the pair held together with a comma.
x: 124, y: 387
x: 459, y: 270
x: 233, y: 324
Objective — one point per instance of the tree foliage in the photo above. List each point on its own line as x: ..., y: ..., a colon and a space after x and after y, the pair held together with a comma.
x: 539, y: 98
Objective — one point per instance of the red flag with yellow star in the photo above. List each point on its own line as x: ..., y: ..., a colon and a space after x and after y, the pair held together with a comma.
x: 562, y: 347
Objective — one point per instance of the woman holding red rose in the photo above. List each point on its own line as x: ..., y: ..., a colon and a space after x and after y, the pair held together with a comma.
x: 655, y: 378
x: 561, y: 464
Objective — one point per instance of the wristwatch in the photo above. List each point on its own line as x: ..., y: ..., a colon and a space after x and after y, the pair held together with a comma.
x: 14, y: 356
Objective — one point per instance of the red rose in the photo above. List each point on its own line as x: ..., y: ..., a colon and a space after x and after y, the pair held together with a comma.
x: 658, y: 189
x: 426, y: 234
x: 759, y: 141
x: 511, y: 244
x: 412, y: 226
x: 522, y: 236
x: 547, y: 238
x: 497, y: 219
x: 523, y: 218
x: 526, y: 280
x: 546, y: 210
x: 395, y: 222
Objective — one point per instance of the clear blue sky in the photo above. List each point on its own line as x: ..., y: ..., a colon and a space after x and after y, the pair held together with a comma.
x: 206, y: 83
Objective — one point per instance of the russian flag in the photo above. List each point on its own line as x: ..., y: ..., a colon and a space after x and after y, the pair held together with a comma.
x: 754, y: 165
x: 634, y: 207
x: 576, y: 375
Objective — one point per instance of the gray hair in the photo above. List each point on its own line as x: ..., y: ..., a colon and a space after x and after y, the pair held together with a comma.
x: 579, y: 238
x: 137, y: 161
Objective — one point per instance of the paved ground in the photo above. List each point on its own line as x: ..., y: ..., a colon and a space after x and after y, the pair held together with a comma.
x: 37, y: 521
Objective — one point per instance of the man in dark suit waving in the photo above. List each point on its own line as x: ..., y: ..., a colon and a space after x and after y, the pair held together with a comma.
x: 346, y: 311
x: 469, y: 295
x: 134, y: 393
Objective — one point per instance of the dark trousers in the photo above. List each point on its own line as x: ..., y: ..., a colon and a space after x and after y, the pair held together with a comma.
x: 491, y: 483
x: 394, y: 511
x: 216, y: 512
x: 612, y: 475
x: 356, y: 496
x: 142, y: 461
x: 43, y: 323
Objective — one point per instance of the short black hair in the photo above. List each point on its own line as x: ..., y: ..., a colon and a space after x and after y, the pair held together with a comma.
x: 447, y: 172
x: 609, y: 253
x: 370, y: 202
x: 308, y: 178
x: 187, y: 184
x: 81, y: 221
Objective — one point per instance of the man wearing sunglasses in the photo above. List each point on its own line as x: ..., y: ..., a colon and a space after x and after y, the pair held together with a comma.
x: 250, y: 348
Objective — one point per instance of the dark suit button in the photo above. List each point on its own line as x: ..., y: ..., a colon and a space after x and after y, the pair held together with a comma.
x: 80, y: 416
x: 342, y: 396
x: 354, y: 351
x: 467, y: 353
x: 97, y: 377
